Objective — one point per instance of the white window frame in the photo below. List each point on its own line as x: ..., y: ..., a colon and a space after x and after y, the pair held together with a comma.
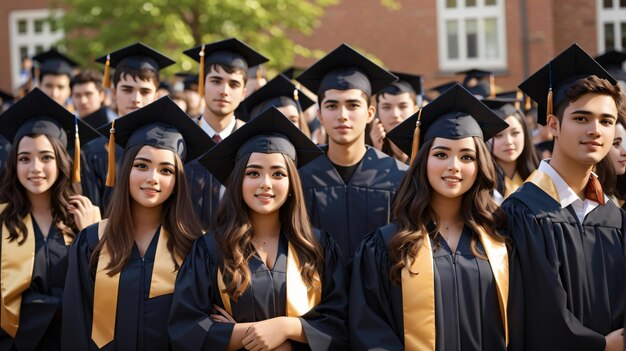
x: 30, y: 39
x: 615, y: 15
x: 461, y: 14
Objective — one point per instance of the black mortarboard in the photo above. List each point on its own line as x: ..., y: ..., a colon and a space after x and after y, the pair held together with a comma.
x: 501, y: 106
x: 455, y: 114
x: 269, y: 132
x: 36, y: 113
x: 136, y: 56
x: 292, y: 72
x: 345, y: 68
x: 406, y: 83
x: 613, y: 62
x: 6, y: 97
x: 161, y: 124
x: 190, y: 80
x: 165, y: 85
x: 479, y: 75
x: 55, y: 62
x: 442, y: 88
x: 230, y: 52
x: 278, y: 92
x: 549, y: 84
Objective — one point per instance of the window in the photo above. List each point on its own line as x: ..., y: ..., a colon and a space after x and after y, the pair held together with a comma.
x: 611, y: 25
x: 471, y: 34
x: 29, y: 34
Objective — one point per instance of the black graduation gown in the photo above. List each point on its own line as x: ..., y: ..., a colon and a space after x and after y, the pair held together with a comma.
x: 191, y: 328
x: 40, y: 312
x: 467, y: 311
x: 573, y: 272
x: 5, y: 148
x: 349, y: 211
x: 141, y: 322
x: 95, y: 164
x: 98, y: 118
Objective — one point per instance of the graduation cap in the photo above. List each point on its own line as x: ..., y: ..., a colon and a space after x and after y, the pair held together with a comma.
x: 442, y: 88
x: 6, y: 97
x: 161, y: 124
x: 345, y: 68
x: 549, y: 84
x: 190, y: 80
x: 278, y: 92
x: 455, y: 114
x: 54, y: 62
x: 502, y: 106
x: 229, y: 52
x: 613, y: 62
x: 37, y: 113
x: 269, y: 132
x: 292, y: 72
x: 137, y: 56
x: 479, y: 74
x: 406, y: 83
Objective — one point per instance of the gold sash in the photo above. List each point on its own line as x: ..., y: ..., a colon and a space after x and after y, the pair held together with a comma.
x: 297, y: 303
x: 418, y: 293
x: 544, y: 182
x: 106, y: 287
x: 510, y: 185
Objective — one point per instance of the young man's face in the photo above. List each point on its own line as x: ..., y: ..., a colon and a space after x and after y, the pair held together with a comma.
x: 86, y: 98
x: 393, y: 109
x: 131, y: 94
x: 344, y: 115
x: 56, y: 86
x: 223, y: 91
x: 585, y: 134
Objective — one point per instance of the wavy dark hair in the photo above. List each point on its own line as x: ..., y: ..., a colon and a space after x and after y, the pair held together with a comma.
x: 234, y: 231
x: 526, y: 163
x: 413, y: 213
x: 13, y: 193
x: 179, y: 218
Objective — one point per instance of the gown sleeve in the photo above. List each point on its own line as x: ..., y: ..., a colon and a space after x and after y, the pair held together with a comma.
x: 190, y: 326
x: 78, y: 294
x: 372, y: 325
x: 548, y: 324
x: 326, y: 326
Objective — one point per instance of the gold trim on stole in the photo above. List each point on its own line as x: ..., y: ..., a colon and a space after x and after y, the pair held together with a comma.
x: 106, y: 288
x: 297, y: 305
x: 418, y: 293
x: 545, y: 183
x: 17, y: 264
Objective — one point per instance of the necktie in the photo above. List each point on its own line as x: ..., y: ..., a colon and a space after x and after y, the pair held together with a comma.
x: 593, y: 190
x: 216, y: 138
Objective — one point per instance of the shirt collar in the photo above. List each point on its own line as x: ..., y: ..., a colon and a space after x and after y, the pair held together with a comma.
x: 566, y: 194
x: 224, y: 133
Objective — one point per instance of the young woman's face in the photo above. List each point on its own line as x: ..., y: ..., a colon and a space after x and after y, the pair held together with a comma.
x: 394, y: 109
x: 152, y: 176
x: 452, y: 166
x: 37, y: 168
x: 618, y: 151
x: 292, y: 113
x: 509, y: 143
x: 265, y: 183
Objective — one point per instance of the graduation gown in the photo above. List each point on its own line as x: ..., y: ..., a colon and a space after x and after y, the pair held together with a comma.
x: 573, y: 272
x: 349, y: 211
x: 191, y: 328
x: 40, y: 312
x: 98, y: 118
x: 467, y: 311
x: 141, y: 322
x: 5, y: 148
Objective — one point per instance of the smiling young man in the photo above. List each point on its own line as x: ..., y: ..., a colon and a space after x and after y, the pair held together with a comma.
x: 350, y: 189
x: 568, y: 236
x: 225, y: 65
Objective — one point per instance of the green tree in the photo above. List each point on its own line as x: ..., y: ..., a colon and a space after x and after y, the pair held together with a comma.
x: 95, y: 27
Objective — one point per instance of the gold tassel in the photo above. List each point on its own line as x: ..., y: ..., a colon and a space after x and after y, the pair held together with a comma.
x: 76, y: 168
x: 528, y: 104
x: 492, y: 86
x: 416, y: 137
x: 549, y: 106
x: 259, y: 73
x: 106, y: 81
x: 110, y: 181
x: 519, y: 97
x: 201, y: 73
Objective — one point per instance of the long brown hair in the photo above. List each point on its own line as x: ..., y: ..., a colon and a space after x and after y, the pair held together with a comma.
x: 413, y: 213
x: 179, y: 218
x: 13, y: 193
x: 234, y: 231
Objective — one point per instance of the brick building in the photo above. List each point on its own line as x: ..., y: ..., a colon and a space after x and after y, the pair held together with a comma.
x: 433, y: 37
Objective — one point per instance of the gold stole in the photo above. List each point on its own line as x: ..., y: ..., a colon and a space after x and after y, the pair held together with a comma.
x: 510, y: 185
x: 544, y: 182
x: 418, y: 293
x: 300, y: 297
x: 17, y: 266
x: 106, y: 287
